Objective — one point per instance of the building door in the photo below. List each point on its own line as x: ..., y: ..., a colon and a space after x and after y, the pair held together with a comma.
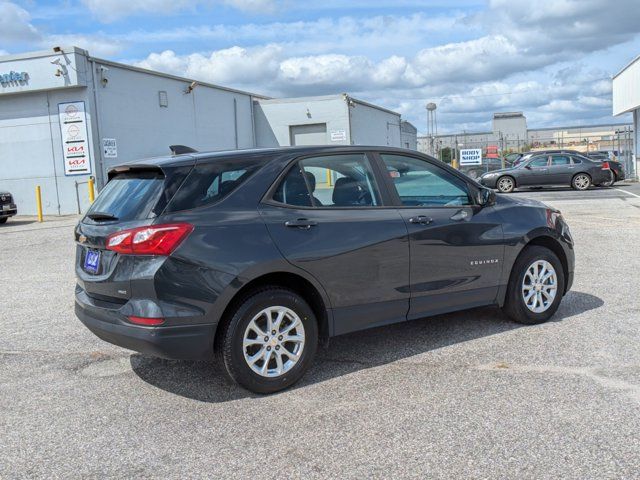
x: 313, y: 134
x: 27, y: 151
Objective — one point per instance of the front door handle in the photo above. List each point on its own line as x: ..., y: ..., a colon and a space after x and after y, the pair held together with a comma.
x: 460, y: 215
x: 421, y: 220
x: 301, y: 223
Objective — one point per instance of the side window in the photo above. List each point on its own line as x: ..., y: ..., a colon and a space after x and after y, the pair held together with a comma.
x: 420, y: 183
x: 330, y: 181
x: 211, y: 181
x: 559, y: 160
x: 575, y: 160
x: 293, y: 189
x: 538, y: 162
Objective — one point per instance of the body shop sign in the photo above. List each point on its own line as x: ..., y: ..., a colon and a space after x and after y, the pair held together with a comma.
x: 471, y: 156
x: 75, y: 142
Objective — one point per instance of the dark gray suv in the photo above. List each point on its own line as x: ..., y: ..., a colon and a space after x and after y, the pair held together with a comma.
x: 253, y: 256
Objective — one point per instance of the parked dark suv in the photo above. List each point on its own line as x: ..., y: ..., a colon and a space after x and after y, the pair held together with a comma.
x: 7, y: 207
x: 254, y: 255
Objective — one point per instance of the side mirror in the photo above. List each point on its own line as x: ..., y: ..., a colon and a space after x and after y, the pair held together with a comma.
x: 486, y: 197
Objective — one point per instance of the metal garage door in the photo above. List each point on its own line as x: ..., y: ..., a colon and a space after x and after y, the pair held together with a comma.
x: 314, y: 134
x: 26, y: 151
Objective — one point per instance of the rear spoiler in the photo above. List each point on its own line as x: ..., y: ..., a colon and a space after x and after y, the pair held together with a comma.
x: 180, y: 149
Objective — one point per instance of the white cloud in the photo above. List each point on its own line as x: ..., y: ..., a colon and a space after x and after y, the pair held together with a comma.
x: 110, y: 10
x: 15, y: 24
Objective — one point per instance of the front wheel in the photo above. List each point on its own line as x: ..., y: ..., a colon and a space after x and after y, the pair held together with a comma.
x: 270, y: 340
x: 506, y: 184
x: 3, y: 220
x: 581, y: 181
x: 536, y: 286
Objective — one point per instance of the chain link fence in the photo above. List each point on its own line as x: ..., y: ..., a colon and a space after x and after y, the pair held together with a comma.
x: 497, y: 152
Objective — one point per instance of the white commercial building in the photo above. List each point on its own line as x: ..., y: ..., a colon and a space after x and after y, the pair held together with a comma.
x: 626, y: 97
x: 334, y: 120
x: 66, y: 116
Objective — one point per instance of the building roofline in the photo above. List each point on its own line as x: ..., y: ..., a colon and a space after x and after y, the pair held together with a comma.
x: 574, y: 127
x: 562, y: 127
x: 42, y: 53
x: 626, y: 66
x: 320, y: 98
x: 173, y: 77
x: 85, y: 53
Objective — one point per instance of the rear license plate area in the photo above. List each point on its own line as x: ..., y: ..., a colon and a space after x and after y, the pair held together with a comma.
x: 92, y: 261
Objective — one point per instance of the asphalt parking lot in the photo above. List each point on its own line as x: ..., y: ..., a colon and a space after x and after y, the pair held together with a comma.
x: 468, y: 394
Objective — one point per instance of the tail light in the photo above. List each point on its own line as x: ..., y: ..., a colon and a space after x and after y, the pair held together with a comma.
x: 605, y: 166
x: 151, y: 240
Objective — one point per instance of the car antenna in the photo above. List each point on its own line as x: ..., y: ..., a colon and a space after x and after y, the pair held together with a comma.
x: 180, y: 149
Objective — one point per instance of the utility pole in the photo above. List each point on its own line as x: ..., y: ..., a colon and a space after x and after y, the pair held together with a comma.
x: 432, y: 126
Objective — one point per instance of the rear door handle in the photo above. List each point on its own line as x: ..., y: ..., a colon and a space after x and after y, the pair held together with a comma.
x: 301, y: 223
x: 421, y: 220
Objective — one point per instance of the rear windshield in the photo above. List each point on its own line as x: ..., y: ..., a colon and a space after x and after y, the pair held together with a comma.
x: 211, y: 181
x: 129, y: 196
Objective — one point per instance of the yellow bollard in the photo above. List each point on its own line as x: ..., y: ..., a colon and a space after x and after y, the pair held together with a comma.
x: 39, y: 202
x: 92, y: 193
x: 329, y: 179
x: 454, y: 163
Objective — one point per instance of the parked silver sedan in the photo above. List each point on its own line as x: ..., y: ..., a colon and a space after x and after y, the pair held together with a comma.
x: 548, y: 169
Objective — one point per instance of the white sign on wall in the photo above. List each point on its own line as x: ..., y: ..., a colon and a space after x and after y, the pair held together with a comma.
x: 338, y: 135
x: 75, y: 139
x: 471, y: 156
x: 109, y: 148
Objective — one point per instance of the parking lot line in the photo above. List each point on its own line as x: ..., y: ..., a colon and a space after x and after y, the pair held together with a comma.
x: 625, y: 191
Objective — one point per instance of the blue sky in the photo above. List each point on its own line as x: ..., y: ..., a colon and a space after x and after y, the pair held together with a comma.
x: 551, y: 59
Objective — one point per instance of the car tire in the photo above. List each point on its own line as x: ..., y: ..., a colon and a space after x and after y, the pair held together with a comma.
x: 581, y: 181
x: 520, y: 304
x: 610, y: 182
x: 505, y: 184
x: 244, y: 345
x: 3, y: 220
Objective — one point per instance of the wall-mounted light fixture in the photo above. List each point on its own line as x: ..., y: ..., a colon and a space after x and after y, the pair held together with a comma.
x: 102, y: 70
x: 308, y: 113
x: 191, y: 87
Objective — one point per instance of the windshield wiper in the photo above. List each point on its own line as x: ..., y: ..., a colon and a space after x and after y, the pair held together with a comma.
x: 97, y: 216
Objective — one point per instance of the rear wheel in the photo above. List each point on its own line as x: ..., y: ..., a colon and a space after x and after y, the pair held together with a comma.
x: 269, y: 341
x: 581, y: 181
x: 536, y: 286
x: 506, y: 184
x: 610, y: 182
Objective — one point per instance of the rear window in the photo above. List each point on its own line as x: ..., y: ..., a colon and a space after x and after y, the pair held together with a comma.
x: 129, y: 196
x: 210, y: 182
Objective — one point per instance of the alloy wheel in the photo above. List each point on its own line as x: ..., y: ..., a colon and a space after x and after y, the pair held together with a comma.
x: 581, y: 182
x: 539, y: 286
x: 505, y: 184
x: 273, y: 341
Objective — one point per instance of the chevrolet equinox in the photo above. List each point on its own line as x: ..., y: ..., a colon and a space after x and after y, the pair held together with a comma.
x: 254, y: 256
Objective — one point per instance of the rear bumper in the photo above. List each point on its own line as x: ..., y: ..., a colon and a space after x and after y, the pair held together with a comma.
x: 180, y: 342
